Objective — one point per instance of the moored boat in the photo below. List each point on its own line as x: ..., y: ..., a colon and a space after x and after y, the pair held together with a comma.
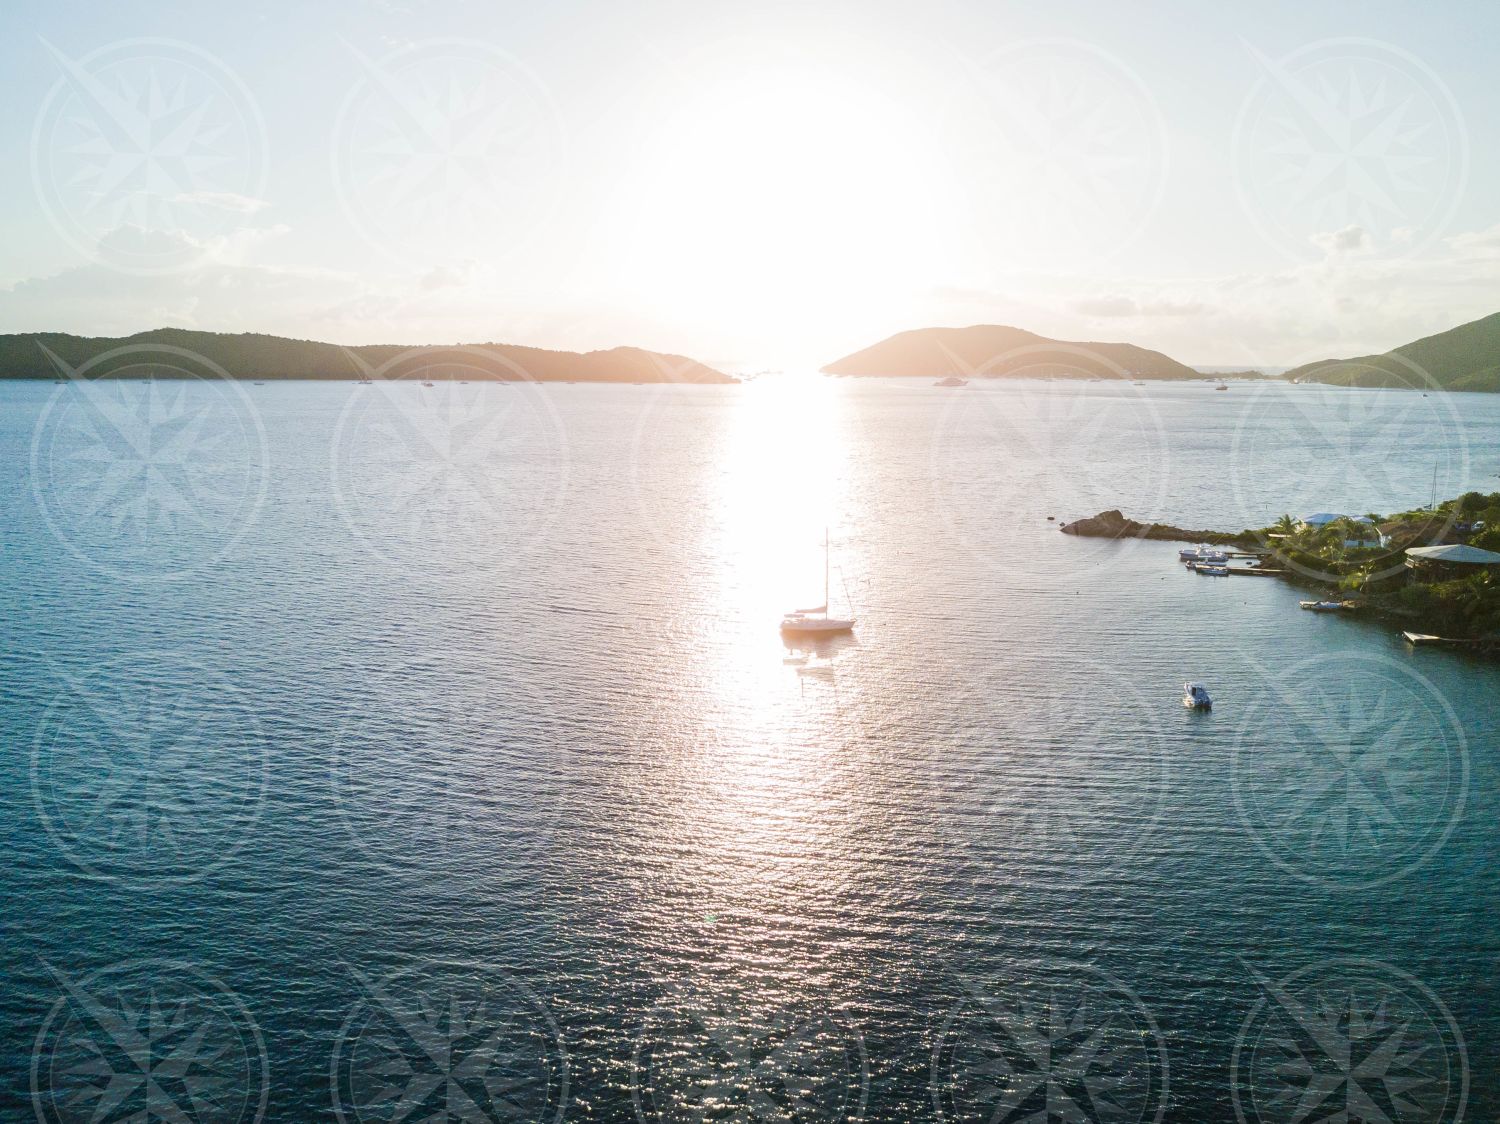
x: 1202, y: 553
x: 1195, y: 697
x: 816, y: 621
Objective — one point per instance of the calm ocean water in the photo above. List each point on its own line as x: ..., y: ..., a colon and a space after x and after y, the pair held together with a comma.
x: 404, y: 753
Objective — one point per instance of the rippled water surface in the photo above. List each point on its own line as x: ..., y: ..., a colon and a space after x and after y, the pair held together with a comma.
x: 415, y: 753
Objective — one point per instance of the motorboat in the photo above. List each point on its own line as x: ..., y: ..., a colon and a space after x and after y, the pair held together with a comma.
x: 1212, y: 570
x: 1322, y: 606
x: 1195, y: 697
x: 816, y: 621
x: 1202, y: 553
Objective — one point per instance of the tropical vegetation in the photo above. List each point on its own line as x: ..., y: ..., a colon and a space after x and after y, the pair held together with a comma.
x: 1366, y: 560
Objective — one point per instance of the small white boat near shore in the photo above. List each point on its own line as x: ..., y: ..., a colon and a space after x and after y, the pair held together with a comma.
x: 1324, y: 606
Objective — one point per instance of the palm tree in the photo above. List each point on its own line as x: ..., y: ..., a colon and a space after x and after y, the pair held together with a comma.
x: 1360, y: 578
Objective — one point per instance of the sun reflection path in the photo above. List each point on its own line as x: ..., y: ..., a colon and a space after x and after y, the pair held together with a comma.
x: 757, y: 787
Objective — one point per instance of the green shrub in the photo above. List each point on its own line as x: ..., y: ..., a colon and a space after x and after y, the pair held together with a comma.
x: 1487, y: 539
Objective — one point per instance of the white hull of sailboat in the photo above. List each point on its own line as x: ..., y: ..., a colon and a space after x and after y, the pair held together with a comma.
x: 809, y: 626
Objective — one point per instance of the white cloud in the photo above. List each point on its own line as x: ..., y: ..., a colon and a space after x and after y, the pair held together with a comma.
x: 454, y: 275
x: 222, y: 201
x: 1350, y: 240
x: 1477, y: 243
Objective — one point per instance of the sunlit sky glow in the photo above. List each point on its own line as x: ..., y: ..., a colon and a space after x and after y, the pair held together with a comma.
x: 754, y: 185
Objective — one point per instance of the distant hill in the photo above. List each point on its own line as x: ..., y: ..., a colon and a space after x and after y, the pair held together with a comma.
x: 1463, y: 358
x: 254, y: 356
x: 996, y: 351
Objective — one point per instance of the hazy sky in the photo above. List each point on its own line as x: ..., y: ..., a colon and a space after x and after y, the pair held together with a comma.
x: 753, y: 184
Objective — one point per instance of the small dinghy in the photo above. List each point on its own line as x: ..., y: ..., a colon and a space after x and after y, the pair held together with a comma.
x: 1195, y: 697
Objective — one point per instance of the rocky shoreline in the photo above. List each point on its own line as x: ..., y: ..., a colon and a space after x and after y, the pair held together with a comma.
x: 1113, y: 524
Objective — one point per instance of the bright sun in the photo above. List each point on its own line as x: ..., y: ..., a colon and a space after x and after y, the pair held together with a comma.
x: 793, y: 197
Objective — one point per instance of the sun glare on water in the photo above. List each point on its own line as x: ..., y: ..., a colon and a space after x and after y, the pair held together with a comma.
x: 780, y: 487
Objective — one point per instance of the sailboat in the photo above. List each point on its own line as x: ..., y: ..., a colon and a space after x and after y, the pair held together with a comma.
x: 816, y: 621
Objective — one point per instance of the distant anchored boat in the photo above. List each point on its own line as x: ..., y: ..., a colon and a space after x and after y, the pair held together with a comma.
x: 952, y: 380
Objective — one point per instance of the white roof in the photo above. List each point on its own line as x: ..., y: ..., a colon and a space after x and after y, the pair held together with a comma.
x: 1455, y: 553
x: 1322, y: 518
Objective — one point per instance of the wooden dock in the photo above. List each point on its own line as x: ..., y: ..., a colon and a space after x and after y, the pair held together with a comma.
x: 1255, y: 571
x: 1426, y: 639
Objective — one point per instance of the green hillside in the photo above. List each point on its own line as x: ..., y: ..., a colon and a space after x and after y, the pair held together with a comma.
x: 998, y: 351
x: 254, y: 356
x: 1463, y: 358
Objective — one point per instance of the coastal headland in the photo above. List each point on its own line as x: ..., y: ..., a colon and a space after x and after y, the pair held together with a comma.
x: 1435, y: 567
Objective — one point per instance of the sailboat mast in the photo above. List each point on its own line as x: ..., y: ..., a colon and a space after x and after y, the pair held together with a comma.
x: 825, y: 569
